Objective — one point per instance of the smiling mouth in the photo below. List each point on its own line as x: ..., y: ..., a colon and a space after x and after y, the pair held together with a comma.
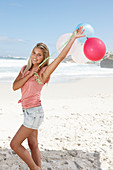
x: 35, y: 60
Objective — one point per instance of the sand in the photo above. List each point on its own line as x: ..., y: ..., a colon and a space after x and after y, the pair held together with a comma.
x: 77, y: 132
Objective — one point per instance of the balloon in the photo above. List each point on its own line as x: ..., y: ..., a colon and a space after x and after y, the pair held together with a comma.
x: 61, y: 42
x: 76, y: 50
x: 77, y: 53
x: 89, y: 31
x: 94, y: 49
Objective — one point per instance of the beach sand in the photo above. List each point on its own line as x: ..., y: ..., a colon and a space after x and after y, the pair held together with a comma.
x: 77, y: 133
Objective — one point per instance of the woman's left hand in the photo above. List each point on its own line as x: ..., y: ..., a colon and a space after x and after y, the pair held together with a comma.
x: 78, y: 33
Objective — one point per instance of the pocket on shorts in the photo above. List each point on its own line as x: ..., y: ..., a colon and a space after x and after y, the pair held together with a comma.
x: 40, y: 120
x: 40, y: 115
x: 31, y: 113
x: 29, y: 118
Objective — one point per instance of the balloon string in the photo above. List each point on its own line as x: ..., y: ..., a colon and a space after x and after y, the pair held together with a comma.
x: 36, y: 74
x: 58, y: 49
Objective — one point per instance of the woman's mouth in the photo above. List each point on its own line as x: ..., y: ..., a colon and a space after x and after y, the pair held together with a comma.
x: 34, y: 60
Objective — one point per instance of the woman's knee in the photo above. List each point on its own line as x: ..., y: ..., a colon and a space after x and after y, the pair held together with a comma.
x: 13, y: 145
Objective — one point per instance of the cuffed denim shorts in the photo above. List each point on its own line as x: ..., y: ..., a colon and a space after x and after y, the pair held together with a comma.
x: 33, y: 117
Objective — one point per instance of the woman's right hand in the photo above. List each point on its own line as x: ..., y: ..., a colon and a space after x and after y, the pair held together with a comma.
x: 78, y: 33
x: 34, y: 70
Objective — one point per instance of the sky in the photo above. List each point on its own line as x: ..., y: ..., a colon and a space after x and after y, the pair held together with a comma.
x: 23, y: 23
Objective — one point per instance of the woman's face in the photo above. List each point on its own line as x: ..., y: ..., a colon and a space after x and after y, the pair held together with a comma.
x: 37, y: 56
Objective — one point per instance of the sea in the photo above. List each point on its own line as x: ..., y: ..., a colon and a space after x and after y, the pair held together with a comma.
x: 65, y: 72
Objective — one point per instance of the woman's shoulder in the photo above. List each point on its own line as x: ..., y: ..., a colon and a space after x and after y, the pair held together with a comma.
x: 23, y: 68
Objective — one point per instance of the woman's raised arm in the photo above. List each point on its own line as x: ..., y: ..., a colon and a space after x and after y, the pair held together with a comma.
x: 76, y: 34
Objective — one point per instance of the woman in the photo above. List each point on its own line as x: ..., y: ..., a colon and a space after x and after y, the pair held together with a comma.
x: 31, y: 79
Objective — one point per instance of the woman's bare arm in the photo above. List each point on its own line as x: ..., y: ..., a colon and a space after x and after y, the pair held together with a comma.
x: 62, y: 55
x: 19, y: 82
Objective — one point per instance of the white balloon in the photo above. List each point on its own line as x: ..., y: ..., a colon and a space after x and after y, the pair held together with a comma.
x: 77, y: 53
x: 76, y: 50
x: 61, y: 41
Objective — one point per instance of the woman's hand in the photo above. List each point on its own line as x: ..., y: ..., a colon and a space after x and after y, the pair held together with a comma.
x: 34, y: 70
x: 78, y: 33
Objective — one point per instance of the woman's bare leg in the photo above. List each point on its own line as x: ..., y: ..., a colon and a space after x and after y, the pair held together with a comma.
x: 33, y: 145
x: 15, y: 144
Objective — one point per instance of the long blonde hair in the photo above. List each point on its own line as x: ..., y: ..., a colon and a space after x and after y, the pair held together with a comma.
x: 45, y: 51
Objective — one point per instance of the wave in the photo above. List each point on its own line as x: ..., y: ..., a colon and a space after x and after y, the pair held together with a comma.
x: 11, y: 65
x: 13, y: 58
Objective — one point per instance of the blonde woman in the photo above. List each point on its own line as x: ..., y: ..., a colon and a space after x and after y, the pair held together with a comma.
x: 31, y: 79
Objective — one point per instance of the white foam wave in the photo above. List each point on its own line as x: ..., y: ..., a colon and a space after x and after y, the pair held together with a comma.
x: 9, y: 69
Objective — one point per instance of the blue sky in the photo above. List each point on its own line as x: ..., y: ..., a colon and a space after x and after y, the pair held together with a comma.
x: 23, y: 23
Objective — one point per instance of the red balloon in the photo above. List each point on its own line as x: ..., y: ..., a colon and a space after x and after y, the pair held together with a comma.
x: 94, y: 49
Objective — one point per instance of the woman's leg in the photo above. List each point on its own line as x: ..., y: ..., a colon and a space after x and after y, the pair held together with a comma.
x: 15, y: 144
x: 33, y: 145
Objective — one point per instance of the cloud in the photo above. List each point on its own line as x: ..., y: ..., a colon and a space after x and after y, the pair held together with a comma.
x: 8, y: 39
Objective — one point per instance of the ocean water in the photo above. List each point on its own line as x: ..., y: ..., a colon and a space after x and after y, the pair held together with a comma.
x: 65, y: 72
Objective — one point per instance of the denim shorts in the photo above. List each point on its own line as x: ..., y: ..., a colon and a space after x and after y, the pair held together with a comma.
x: 33, y: 117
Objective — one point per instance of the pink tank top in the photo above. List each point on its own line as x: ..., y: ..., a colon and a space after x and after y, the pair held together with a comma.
x: 31, y: 91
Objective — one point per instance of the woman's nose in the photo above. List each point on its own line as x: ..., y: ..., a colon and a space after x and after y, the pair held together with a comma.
x: 36, y: 56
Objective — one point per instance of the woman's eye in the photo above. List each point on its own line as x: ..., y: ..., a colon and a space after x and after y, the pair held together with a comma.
x: 39, y: 54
